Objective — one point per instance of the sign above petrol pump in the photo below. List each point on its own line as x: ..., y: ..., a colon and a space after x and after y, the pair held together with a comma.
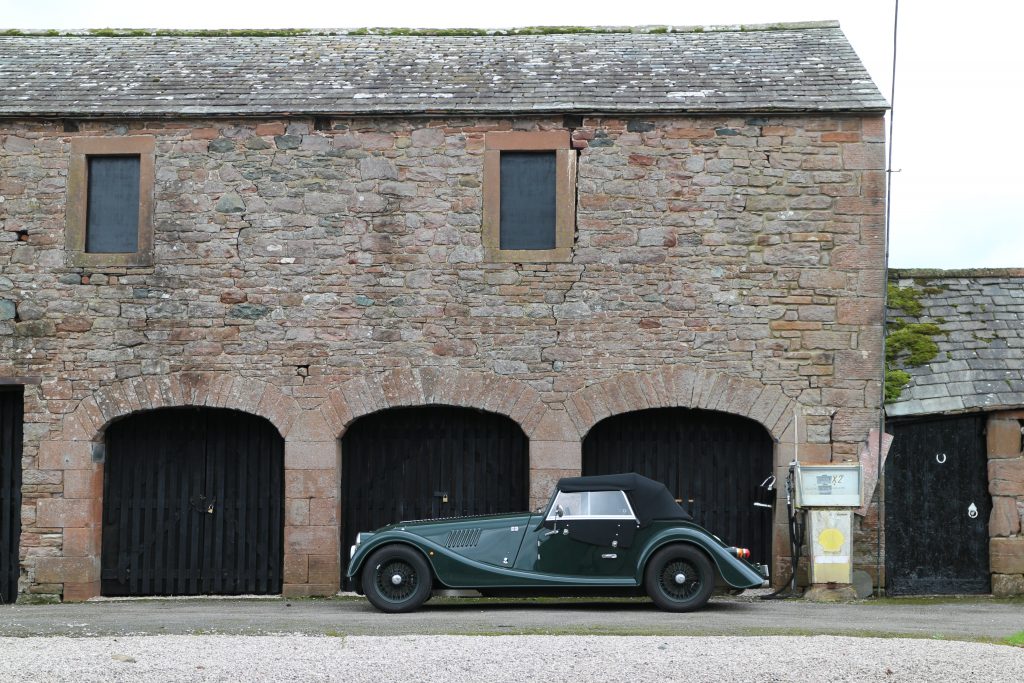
x: 828, y: 485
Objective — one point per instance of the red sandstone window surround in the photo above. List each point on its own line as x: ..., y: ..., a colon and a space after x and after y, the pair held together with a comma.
x: 108, y: 178
x: 529, y: 196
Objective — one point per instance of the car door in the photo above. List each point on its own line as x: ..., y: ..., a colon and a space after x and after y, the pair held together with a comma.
x: 588, y: 533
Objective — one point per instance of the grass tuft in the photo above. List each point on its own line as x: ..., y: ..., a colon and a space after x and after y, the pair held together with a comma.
x: 1016, y: 640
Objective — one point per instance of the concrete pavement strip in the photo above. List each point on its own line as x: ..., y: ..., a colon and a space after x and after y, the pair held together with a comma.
x: 951, y: 619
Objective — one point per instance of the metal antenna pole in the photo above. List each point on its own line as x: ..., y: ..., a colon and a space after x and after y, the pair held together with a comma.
x: 885, y: 308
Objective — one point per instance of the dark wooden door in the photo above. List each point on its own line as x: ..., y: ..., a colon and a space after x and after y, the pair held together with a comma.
x: 193, y: 503
x: 430, y: 462
x: 937, y: 507
x: 713, y: 462
x: 11, y: 416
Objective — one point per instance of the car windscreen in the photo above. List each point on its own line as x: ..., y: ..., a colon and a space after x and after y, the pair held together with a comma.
x: 591, y: 505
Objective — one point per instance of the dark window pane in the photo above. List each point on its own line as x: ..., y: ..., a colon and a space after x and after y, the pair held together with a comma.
x: 113, y: 222
x: 527, y: 200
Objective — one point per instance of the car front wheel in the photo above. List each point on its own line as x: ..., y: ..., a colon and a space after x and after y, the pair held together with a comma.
x: 679, y: 578
x: 396, y: 578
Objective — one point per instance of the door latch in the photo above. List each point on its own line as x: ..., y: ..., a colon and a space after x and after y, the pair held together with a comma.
x: 202, y: 504
x: 443, y: 495
x: 972, y: 511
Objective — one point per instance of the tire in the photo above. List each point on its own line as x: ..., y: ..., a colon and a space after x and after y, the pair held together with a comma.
x: 672, y: 593
x: 414, y: 581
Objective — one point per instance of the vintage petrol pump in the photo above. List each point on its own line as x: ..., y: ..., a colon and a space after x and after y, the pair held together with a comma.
x: 828, y: 494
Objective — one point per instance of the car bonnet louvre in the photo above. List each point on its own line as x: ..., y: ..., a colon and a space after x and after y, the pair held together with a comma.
x: 462, y: 538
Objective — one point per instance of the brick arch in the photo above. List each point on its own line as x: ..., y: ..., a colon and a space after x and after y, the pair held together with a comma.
x: 77, y: 513
x: 442, y: 386
x: 215, y: 390
x: 695, y: 387
x: 685, y: 387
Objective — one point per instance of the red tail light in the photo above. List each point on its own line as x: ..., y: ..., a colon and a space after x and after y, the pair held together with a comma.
x: 743, y: 553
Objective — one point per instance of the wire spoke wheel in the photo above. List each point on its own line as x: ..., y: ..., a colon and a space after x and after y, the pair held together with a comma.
x: 679, y: 578
x: 397, y: 578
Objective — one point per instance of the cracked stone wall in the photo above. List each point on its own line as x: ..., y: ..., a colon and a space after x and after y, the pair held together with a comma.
x: 307, y: 255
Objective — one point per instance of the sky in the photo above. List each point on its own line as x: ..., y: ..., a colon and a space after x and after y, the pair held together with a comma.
x: 957, y: 144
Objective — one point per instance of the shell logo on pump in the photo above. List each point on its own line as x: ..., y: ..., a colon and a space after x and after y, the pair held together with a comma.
x: 831, y: 540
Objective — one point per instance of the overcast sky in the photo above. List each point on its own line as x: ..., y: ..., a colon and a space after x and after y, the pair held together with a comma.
x: 958, y: 142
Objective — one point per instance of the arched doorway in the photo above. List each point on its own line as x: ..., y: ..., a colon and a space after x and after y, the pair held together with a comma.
x: 428, y: 462
x: 713, y: 462
x: 193, y: 504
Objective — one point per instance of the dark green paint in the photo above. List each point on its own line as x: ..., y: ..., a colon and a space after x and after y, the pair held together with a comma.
x: 518, y: 551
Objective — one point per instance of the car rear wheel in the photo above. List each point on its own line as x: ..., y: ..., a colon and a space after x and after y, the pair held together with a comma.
x: 396, y: 578
x: 679, y: 578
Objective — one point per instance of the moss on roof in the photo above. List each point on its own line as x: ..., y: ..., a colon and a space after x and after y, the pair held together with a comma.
x: 401, y: 31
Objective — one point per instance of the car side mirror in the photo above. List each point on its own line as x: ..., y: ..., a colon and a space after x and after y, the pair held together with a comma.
x: 559, y: 512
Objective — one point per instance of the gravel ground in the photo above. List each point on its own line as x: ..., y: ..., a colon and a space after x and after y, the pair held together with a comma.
x: 503, y: 658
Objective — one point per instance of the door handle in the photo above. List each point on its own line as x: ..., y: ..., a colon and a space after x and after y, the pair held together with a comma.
x: 972, y: 511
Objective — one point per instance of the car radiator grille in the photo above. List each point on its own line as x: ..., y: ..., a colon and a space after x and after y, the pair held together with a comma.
x: 462, y: 538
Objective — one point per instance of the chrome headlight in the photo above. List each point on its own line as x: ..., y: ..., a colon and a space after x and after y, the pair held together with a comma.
x: 360, y: 537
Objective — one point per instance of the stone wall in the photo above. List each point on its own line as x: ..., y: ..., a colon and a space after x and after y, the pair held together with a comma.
x: 1006, y: 484
x: 725, y: 262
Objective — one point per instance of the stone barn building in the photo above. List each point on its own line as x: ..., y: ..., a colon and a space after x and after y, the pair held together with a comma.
x: 259, y: 293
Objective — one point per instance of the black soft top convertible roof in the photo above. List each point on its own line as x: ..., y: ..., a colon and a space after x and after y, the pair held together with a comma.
x: 650, y: 499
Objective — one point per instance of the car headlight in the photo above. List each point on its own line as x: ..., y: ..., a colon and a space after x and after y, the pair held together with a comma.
x: 360, y: 537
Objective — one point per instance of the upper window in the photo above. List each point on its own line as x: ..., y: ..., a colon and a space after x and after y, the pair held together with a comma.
x: 110, y: 201
x: 529, y: 196
x: 591, y: 504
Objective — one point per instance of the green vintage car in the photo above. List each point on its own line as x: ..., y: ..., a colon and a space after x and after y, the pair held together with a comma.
x: 620, y: 534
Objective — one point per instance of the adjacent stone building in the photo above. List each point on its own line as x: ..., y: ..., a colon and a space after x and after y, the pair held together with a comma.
x: 326, y: 256
x: 963, y: 402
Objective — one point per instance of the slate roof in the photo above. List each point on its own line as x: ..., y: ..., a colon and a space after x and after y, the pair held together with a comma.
x: 980, y: 364
x: 785, y: 68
